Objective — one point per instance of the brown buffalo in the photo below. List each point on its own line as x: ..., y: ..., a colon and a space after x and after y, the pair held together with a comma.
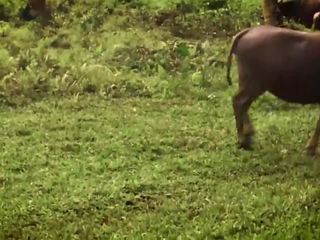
x: 281, y: 61
x: 36, y: 8
x: 301, y: 11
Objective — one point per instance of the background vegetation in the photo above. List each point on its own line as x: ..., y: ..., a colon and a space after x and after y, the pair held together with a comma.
x: 116, y: 123
x: 119, y: 48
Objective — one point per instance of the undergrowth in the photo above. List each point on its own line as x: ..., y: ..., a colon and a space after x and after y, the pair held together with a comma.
x: 119, y: 49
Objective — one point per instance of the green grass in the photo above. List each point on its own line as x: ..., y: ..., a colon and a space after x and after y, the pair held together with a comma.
x: 114, y: 127
x: 86, y: 168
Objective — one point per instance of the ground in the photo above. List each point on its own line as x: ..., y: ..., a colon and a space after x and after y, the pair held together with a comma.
x: 88, y: 168
x: 122, y: 129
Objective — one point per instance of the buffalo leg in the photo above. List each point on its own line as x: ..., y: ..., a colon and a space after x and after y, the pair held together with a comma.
x: 271, y: 12
x: 316, y: 21
x: 313, y: 141
x: 245, y: 130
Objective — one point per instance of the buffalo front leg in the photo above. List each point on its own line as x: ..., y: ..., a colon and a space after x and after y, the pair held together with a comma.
x: 314, y: 140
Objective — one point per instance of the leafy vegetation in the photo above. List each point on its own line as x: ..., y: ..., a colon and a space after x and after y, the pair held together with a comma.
x: 117, y: 124
x: 118, y: 50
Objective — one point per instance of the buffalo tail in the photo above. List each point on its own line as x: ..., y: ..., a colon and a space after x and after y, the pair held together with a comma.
x: 234, y: 43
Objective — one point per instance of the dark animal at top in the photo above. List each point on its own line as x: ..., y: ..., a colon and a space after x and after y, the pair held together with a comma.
x: 35, y: 9
x: 301, y: 11
x: 282, y: 61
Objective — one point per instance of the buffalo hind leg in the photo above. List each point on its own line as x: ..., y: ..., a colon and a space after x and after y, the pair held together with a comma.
x: 241, y: 103
x: 313, y: 141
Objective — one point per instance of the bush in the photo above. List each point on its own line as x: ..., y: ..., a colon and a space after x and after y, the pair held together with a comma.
x: 116, y: 48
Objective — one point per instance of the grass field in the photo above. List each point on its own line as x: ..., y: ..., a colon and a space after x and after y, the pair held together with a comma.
x: 138, y: 168
x: 121, y: 129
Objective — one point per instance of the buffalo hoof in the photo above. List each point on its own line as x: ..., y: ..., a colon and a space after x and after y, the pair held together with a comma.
x: 311, y: 152
x: 245, y: 143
